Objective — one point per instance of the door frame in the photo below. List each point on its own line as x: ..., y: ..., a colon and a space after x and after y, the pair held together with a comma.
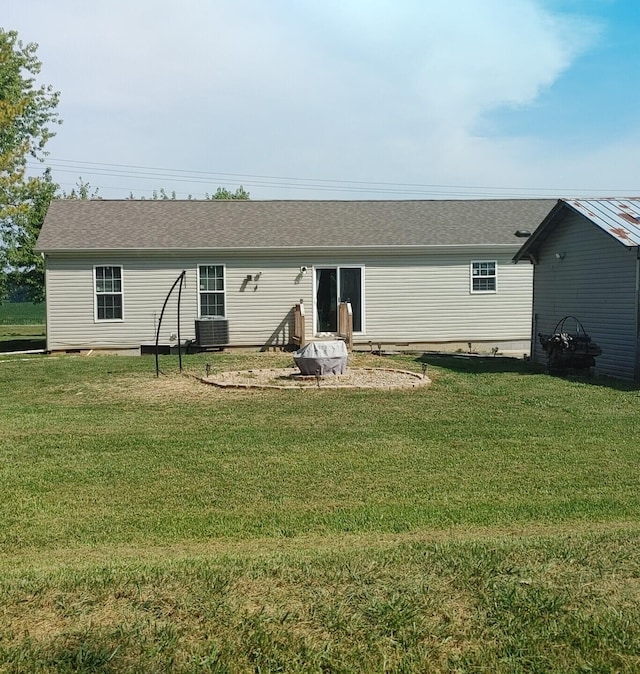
x: 338, y: 267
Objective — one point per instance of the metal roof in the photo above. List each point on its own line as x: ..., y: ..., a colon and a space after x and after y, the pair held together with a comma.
x: 139, y: 225
x: 618, y: 217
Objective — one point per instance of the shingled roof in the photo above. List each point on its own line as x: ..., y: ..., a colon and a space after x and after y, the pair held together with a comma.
x: 107, y: 225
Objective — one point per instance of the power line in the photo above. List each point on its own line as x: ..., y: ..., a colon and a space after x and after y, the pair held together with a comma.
x: 323, y: 188
x: 135, y: 172
x: 196, y: 175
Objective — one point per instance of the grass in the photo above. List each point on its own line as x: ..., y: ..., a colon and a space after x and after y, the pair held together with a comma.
x: 486, y: 523
x: 22, y: 313
x: 22, y: 326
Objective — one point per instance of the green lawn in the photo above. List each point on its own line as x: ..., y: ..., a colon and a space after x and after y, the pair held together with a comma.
x: 22, y: 313
x: 489, y: 522
x: 22, y: 326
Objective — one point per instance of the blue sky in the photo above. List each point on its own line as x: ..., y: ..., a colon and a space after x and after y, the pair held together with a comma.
x: 598, y: 95
x: 342, y: 99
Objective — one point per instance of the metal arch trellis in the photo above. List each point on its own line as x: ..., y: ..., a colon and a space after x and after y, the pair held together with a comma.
x: 179, y: 280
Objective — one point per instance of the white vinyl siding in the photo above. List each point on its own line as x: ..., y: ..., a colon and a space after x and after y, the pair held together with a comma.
x: 109, y: 303
x: 584, y: 272
x: 426, y: 298
x: 410, y: 297
x: 145, y: 282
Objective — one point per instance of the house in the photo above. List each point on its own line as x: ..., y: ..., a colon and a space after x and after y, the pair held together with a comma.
x: 429, y: 273
x: 585, y: 258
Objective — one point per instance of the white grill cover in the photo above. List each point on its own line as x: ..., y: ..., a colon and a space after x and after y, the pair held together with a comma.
x: 322, y: 358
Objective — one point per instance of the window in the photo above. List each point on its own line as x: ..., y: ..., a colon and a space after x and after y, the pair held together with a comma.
x: 108, y: 286
x: 211, y: 289
x: 484, y: 277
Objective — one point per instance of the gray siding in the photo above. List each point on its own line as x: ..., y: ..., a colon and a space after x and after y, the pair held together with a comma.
x: 414, y: 297
x: 596, y: 282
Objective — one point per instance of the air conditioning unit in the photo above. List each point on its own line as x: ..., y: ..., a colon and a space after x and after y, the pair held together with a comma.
x: 213, y: 331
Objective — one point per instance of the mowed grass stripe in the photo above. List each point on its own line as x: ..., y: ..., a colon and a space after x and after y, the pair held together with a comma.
x: 89, y: 556
x: 557, y: 604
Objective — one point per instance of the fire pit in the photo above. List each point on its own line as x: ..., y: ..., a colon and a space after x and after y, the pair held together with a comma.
x: 322, y: 358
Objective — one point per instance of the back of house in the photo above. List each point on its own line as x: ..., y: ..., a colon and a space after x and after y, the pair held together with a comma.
x: 432, y: 273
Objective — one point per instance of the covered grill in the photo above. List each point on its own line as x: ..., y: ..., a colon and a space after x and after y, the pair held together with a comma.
x: 320, y: 358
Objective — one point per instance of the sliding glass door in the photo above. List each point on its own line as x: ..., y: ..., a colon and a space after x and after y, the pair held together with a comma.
x: 335, y: 285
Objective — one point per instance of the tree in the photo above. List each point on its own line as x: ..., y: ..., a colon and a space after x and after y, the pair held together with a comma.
x: 222, y: 193
x: 27, y: 115
x: 24, y: 267
x: 82, y: 191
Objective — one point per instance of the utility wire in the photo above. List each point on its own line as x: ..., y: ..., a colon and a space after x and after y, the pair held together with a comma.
x: 195, y: 175
x: 212, y: 178
x: 322, y: 188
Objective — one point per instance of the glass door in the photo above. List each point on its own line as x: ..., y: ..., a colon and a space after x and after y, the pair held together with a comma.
x: 327, y: 300
x: 350, y: 290
x: 334, y: 284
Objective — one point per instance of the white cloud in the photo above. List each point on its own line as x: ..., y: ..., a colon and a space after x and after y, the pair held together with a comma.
x: 360, y: 89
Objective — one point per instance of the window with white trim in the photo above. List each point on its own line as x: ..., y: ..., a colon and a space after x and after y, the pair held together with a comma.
x: 484, y: 277
x: 108, y: 293
x: 211, y: 289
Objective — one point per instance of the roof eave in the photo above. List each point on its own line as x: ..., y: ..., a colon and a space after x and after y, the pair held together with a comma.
x: 530, y: 246
x: 262, y: 249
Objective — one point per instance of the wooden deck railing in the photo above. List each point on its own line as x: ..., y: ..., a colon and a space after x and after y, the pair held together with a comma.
x: 345, y: 324
x: 299, y: 325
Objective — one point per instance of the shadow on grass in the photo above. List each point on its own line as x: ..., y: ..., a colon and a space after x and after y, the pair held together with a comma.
x: 606, y: 382
x: 471, y: 364
x: 23, y: 344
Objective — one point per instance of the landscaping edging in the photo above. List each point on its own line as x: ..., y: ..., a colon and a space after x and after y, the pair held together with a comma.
x: 354, y: 378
